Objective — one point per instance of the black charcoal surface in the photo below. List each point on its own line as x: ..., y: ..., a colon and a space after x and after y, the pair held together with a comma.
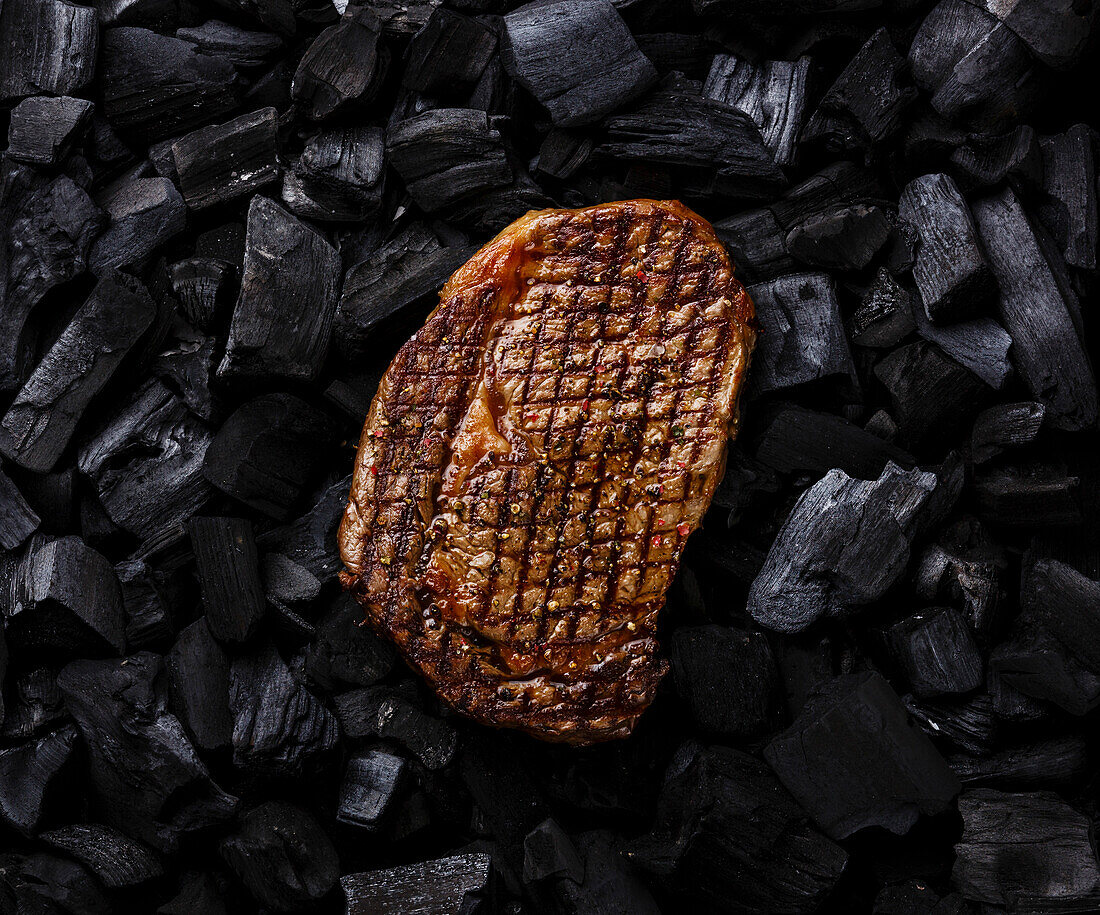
x: 61, y: 56
x: 343, y: 66
x: 224, y: 161
x: 42, y: 130
x: 377, y: 711
x: 117, y: 860
x: 937, y: 652
x: 32, y: 774
x: 339, y: 176
x: 228, y: 567
x: 198, y: 686
x: 446, y: 884
x: 144, y: 214
x: 371, y: 787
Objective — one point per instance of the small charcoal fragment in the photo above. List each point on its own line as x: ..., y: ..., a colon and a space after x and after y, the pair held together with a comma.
x: 447, y: 57
x: 1029, y: 493
x: 45, y: 883
x: 852, y: 760
x: 147, y: 780
x: 964, y: 566
x: 378, y: 712
x: 200, y: 284
x: 144, y: 215
x: 283, y: 319
x: 42, y: 130
x: 30, y: 774
x: 283, y: 856
x: 1055, y: 761
x: 1038, y: 665
x: 343, y: 65
x: 986, y: 160
x: 578, y: 59
x: 268, y: 451
x: 372, y: 783
x: 1055, y: 31
x: 150, y: 619
x: 727, y: 679
x: 345, y: 651
x: 243, y: 48
x: 444, y: 885
x: 34, y: 704
x: 883, y: 318
x: 1008, y: 425
x: 339, y: 177
x: 844, y: 544
x: 951, y: 272
x: 198, y: 685
x: 17, y: 519
x: 117, y: 860
x: 967, y: 723
x: 1023, y: 845
x: 200, y: 893
x: 49, y: 47
x: 310, y: 540
x: 229, y: 576
x: 758, y: 245
x: 1067, y: 605
x: 936, y: 652
x: 549, y: 852
x: 980, y: 345
x: 846, y: 238
x: 1069, y: 208
x: 225, y: 161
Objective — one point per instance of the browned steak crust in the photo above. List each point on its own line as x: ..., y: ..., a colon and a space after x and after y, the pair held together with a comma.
x: 536, y: 457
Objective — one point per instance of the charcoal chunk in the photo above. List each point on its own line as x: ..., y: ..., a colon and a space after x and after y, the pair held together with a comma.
x: 61, y: 56
x: 229, y: 576
x: 117, y: 860
x: 1069, y: 207
x: 937, y: 652
x: 201, y: 286
x: 844, y: 544
x: 378, y: 712
x: 758, y: 245
x: 1039, y: 313
x: 283, y: 856
x: 883, y: 318
x: 729, y: 838
x: 225, y: 161
x: 802, y: 337
x: 310, y: 540
x: 852, y: 760
x: 967, y: 723
x: 268, y: 451
x: 17, y: 519
x: 1055, y: 31
x: 844, y: 238
x: 34, y: 704
x: 447, y: 57
x: 280, y: 729
x: 144, y: 215
x: 578, y: 59
x: 1055, y: 761
x: 148, y: 782
x: 980, y: 345
x: 549, y: 852
x: 727, y: 678
x: 343, y: 65
x: 42, y: 130
x: 150, y: 622
x: 1038, y: 665
x: 339, y: 177
x: 283, y: 319
x: 345, y: 651
x: 1009, y: 425
x: 372, y: 783
x: 951, y: 272
x: 964, y: 566
x: 986, y: 160
x: 772, y: 93
x: 1067, y: 605
x: 30, y: 776
x: 45, y: 883
x: 243, y: 48
x: 200, y: 894
x: 1023, y: 845
x: 198, y: 684
x: 155, y: 86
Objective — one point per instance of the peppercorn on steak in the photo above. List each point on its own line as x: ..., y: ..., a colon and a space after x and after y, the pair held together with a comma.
x: 536, y: 457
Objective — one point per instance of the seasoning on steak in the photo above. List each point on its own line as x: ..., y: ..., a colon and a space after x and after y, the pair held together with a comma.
x: 536, y: 457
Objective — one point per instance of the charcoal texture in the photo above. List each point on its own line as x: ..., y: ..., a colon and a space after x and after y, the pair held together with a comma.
x: 220, y: 162
x: 62, y: 56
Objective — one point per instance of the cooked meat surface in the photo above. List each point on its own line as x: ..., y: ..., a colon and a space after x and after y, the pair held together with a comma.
x: 536, y: 457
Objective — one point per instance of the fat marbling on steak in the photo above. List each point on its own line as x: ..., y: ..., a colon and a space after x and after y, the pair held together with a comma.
x: 536, y: 457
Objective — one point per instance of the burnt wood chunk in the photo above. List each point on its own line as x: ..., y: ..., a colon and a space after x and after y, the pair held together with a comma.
x: 147, y: 780
x: 34, y: 705
x: 1056, y: 761
x: 937, y: 652
x: 1017, y: 846
x: 225, y: 161
x: 229, y: 576
x: 243, y: 48
x: 966, y: 722
x: 144, y: 215
x: 1007, y: 425
x: 1055, y: 31
x: 577, y: 58
x: 985, y: 160
x: 198, y: 686
x: 1067, y: 605
x: 448, y: 154
x: 802, y: 337
x: 447, y: 884
x: 447, y: 57
x: 309, y: 541
x: 843, y: 545
x: 117, y: 860
x: 344, y: 65
x: 884, y: 317
x: 757, y: 244
x: 157, y: 87
x: 339, y: 176
x: 1036, y: 664
x: 954, y: 280
x: 42, y: 418
x: 549, y: 852
x: 268, y: 451
x: 150, y: 622
x: 379, y: 712
x: 200, y: 285
x: 1039, y: 312
x: 46, y: 230
x: 282, y: 321
x: 371, y: 787
x: 346, y: 652
x: 980, y: 345
x: 17, y: 519
x: 283, y: 856
x: 965, y: 567
x: 31, y: 775
x: 49, y: 47
x: 853, y: 760
x: 1029, y: 492
x: 146, y: 464
x: 1069, y: 206
x: 42, y: 130
x: 843, y: 238
x: 865, y: 104
x: 709, y: 830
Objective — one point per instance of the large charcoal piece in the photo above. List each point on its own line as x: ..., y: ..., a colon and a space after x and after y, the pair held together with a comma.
x: 378, y: 712
x: 31, y: 776
x: 951, y: 272
x: 268, y: 451
x: 283, y: 856
x: 149, y: 612
x: 1010, y: 425
x: 727, y: 678
x: 47, y: 883
x: 980, y: 345
x: 17, y: 519
x: 802, y: 336
x: 937, y: 652
x: 283, y: 319
x: 342, y: 66
x: 243, y: 48
x: 49, y: 47
x: 1040, y: 313
x: 966, y: 723
x: 1069, y: 208
x: 41, y: 420
x: 729, y: 838
x: 446, y: 155
x: 451, y: 884
x: 144, y: 215
x: 1038, y: 665
x: 224, y: 161
x: 347, y: 652
x: 843, y: 545
x: 200, y: 285
x: 772, y: 93
x: 853, y: 760
x: 42, y: 130
x: 157, y: 87
x: 229, y: 575
x: 1056, y: 761
x: 46, y: 230
x: 280, y: 729
x: 147, y: 780
x: 964, y: 567
x: 447, y: 57
x: 146, y: 464
x: 372, y: 781
x: 1023, y: 846
x: 198, y: 683
x: 339, y: 177
x: 65, y: 600
x: 577, y: 58
x: 117, y: 860
x: 1067, y: 605
x: 309, y: 541
x: 1055, y: 31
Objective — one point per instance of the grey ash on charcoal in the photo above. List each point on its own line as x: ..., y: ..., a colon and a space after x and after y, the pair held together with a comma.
x: 220, y: 219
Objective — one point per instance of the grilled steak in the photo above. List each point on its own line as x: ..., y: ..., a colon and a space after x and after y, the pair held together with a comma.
x: 536, y: 457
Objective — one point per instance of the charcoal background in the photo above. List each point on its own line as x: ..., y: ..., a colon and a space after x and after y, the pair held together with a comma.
x: 426, y: 785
